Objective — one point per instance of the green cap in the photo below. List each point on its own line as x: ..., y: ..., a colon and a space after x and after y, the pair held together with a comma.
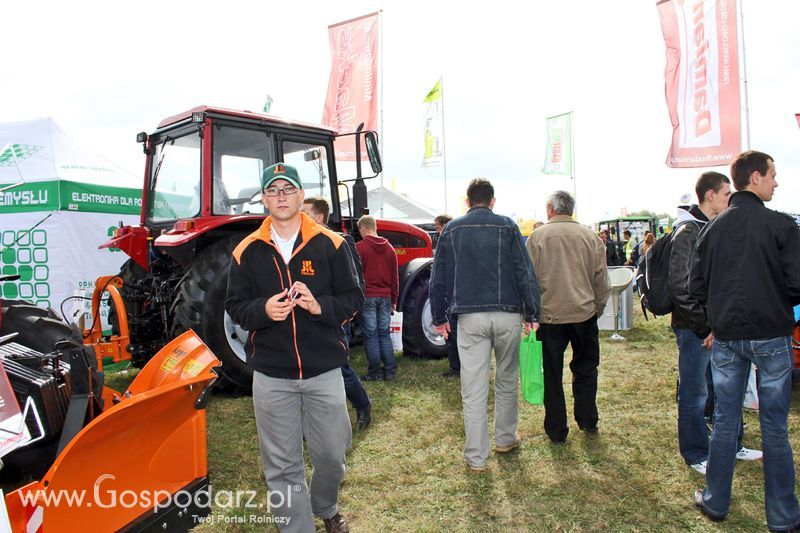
x: 280, y: 171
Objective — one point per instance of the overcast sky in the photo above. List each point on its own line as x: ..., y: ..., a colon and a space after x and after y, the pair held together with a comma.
x: 106, y: 70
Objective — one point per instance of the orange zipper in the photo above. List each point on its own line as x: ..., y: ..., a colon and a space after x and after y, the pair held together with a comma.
x: 294, y: 324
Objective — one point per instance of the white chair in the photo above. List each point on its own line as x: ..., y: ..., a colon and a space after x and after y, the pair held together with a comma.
x: 619, y: 279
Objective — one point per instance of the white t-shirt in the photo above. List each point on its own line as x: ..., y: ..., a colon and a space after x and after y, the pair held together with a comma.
x: 285, y: 246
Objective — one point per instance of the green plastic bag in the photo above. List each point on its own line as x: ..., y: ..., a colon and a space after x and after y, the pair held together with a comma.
x: 530, y: 369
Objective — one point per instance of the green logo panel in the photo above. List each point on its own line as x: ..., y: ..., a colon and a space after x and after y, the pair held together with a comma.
x: 24, y: 253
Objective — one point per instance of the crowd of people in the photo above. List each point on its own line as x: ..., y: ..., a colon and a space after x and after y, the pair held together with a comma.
x: 734, y: 277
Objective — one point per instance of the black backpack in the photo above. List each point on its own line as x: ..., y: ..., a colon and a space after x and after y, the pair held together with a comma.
x: 652, y: 277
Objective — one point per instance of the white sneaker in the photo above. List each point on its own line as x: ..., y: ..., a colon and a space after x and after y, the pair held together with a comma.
x: 700, y: 467
x: 746, y: 454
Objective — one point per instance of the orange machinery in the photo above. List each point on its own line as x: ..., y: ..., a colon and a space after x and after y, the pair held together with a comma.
x: 160, y: 424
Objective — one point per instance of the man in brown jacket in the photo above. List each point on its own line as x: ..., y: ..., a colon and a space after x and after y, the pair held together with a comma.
x: 570, y: 262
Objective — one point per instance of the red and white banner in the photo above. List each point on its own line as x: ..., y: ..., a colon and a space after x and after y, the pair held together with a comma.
x: 353, y: 86
x: 702, y: 81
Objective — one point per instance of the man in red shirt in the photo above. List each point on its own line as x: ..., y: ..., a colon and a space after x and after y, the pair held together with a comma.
x: 381, y: 288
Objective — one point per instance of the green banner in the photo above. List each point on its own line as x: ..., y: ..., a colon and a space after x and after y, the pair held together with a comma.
x: 100, y: 198
x: 32, y: 196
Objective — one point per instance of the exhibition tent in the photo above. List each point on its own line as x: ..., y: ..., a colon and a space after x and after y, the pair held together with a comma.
x: 58, y: 203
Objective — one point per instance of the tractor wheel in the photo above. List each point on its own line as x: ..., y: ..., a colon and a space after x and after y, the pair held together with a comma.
x: 200, y: 305
x: 419, y: 337
x: 38, y: 329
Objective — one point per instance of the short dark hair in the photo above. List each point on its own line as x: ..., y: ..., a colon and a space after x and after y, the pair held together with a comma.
x: 745, y: 164
x: 626, y: 232
x: 480, y: 192
x: 709, y: 181
x: 320, y: 206
x: 442, y: 220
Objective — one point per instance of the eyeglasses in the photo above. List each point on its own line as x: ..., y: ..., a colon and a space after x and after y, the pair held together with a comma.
x: 274, y: 191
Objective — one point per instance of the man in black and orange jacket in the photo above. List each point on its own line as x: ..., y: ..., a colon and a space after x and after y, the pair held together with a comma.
x: 292, y: 284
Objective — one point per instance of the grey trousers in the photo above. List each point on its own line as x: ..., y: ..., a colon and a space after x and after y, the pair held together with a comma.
x: 287, y: 411
x: 477, y: 334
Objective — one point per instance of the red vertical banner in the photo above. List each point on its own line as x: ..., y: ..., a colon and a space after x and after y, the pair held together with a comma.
x: 702, y: 81
x: 353, y: 85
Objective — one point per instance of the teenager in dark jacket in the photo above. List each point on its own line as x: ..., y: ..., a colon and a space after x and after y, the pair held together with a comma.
x: 292, y: 284
x: 381, y: 290
x: 746, y: 271
x: 692, y: 333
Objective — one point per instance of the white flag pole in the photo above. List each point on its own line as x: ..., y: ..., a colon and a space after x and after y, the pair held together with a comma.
x: 380, y: 95
x: 743, y: 62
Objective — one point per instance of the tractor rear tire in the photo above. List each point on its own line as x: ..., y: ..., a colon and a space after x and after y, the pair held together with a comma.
x: 200, y: 305
x: 38, y: 329
x: 419, y: 338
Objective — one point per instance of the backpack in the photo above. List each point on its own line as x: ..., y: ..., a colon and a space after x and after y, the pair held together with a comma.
x: 652, y: 277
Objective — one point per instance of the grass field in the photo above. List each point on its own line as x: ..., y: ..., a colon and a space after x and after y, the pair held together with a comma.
x: 406, y: 472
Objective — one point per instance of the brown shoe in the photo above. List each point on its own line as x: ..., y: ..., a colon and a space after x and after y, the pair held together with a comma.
x: 336, y: 524
x: 512, y: 446
x: 477, y: 469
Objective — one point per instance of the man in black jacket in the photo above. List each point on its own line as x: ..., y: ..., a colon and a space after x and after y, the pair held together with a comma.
x: 692, y: 334
x: 746, y: 271
x: 292, y: 284
x: 319, y: 210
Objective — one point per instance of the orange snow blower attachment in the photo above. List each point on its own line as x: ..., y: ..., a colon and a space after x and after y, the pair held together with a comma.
x: 160, y: 478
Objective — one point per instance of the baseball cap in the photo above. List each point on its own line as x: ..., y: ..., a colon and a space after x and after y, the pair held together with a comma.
x: 280, y: 171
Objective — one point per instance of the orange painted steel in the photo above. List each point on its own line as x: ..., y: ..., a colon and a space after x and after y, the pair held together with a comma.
x: 149, y: 445
x: 116, y: 346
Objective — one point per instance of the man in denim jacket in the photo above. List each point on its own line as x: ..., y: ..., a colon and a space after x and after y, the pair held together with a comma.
x: 481, y: 270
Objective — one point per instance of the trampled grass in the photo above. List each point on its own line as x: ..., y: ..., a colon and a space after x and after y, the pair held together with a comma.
x: 406, y: 472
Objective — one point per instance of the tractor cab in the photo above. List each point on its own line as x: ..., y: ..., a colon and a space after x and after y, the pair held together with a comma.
x: 618, y: 226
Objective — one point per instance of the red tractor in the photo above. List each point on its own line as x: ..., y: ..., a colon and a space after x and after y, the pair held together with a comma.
x: 201, y: 196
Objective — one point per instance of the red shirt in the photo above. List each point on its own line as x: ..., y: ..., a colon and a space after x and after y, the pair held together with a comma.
x: 380, y: 268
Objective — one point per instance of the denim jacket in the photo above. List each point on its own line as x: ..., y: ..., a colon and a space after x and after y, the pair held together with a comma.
x: 481, y: 266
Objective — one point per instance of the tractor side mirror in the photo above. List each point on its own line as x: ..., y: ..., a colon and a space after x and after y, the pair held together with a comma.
x: 373, y: 153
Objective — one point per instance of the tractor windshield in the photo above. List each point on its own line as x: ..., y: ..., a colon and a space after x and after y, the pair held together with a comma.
x: 175, y: 178
x: 240, y: 157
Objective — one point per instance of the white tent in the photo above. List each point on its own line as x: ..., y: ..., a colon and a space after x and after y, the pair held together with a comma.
x: 58, y: 203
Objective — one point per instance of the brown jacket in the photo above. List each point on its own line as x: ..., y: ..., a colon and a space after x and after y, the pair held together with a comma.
x: 570, y: 262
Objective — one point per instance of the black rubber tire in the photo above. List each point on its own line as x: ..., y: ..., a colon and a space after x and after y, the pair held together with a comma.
x: 200, y: 305
x: 38, y: 329
x: 415, y: 343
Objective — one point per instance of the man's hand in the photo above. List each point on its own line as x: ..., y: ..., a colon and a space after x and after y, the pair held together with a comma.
x: 443, y: 330
x: 530, y: 326
x: 305, y: 300
x: 708, y: 341
x: 277, y: 309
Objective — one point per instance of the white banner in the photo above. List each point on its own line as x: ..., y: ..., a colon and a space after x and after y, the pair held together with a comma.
x: 56, y: 254
x: 434, y: 127
x: 558, y: 152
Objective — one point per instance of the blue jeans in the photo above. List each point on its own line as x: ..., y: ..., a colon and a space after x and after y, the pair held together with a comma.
x: 730, y: 365
x: 376, y: 315
x: 353, y: 389
x: 693, y: 361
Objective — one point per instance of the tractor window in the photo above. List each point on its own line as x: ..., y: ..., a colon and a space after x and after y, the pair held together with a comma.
x: 175, y: 178
x: 311, y: 162
x: 240, y: 157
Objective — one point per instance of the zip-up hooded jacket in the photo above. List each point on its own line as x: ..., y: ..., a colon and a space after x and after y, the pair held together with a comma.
x: 380, y: 268
x: 301, y: 346
x: 687, y: 312
x: 746, y: 270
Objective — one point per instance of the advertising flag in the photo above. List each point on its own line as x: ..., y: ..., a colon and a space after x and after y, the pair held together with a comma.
x: 434, y: 127
x: 353, y: 85
x: 558, y: 152
x: 702, y: 81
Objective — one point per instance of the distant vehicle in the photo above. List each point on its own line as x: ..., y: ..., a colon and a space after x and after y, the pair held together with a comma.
x: 636, y: 225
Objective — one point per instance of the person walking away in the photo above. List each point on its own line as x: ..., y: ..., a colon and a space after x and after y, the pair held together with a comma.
x: 482, y: 274
x: 746, y: 272
x: 572, y: 299
x: 318, y: 209
x: 690, y: 324
x: 292, y: 284
x: 452, y: 339
x: 381, y: 290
